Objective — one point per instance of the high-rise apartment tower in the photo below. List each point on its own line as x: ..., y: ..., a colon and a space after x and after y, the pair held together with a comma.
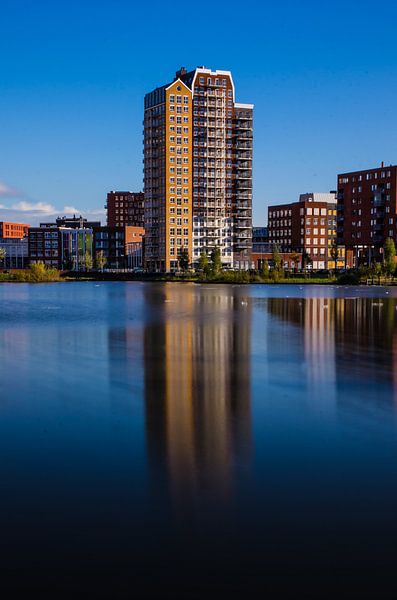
x: 197, y: 171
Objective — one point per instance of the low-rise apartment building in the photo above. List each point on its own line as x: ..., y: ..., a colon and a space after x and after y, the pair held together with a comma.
x: 16, y: 253
x: 115, y: 243
x: 64, y: 248
x: 308, y: 227
x: 14, y: 242
x: 367, y: 212
x: 9, y: 230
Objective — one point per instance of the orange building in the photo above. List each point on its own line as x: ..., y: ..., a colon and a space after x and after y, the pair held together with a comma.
x: 168, y: 171
x: 197, y: 171
x: 13, y: 230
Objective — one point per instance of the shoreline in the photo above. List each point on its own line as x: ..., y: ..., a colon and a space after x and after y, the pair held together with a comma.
x: 109, y: 277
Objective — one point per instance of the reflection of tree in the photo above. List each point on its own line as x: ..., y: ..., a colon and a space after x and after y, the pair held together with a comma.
x: 197, y: 387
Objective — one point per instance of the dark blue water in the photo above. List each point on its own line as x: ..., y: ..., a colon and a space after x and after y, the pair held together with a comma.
x: 185, y: 441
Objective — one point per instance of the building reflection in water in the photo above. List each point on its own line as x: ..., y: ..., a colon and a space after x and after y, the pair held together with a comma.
x: 197, y: 388
x: 344, y: 338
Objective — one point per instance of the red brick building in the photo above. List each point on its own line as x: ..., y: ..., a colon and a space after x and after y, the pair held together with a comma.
x: 116, y: 243
x: 10, y: 230
x: 367, y: 212
x: 307, y: 227
x: 125, y: 208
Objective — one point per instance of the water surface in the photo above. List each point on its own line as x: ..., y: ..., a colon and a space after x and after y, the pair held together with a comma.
x: 184, y: 441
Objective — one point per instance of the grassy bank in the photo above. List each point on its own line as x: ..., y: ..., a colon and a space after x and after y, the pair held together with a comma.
x: 37, y: 273
x: 236, y: 277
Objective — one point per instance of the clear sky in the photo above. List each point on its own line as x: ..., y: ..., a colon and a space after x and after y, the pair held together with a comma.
x: 322, y: 76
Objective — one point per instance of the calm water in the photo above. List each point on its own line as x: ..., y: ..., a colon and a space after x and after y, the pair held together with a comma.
x: 178, y: 441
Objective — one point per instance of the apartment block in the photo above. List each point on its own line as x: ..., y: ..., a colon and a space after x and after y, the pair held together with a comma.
x: 62, y: 248
x: 75, y: 244
x: 367, y: 212
x: 44, y: 245
x: 116, y: 243
x: 197, y: 171
x: 10, y: 230
x: 125, y: 208
x: 16, y: 250
x: 307, y: 227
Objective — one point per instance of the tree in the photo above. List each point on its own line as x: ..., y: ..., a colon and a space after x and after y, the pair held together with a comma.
x: 38, y: 271
x: 216, y: 261
x: 3, y: 255
x: 265, y: 269
x: 203, y: 261
x: 276, y: 257
x: 335, y: 252
x: 100, y: 260
x: 389, y: 253
x: 183, y: 259
x: 88, y: 262
x: 306, y: 260
x: 295, y: 257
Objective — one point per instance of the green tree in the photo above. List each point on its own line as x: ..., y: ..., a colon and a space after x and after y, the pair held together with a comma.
x: 216, y: 261
x: 276, y: 257
x: 39, y: 272
x: 265, y: 269
x: 335, y: 252
x: 306, y: 260
x: 100, y: 260
x: 389, y: 253
x: 183, y: 260
x: 203, y: 262
x: 88, y: 262
x: 67, y: 262
x: 3, y: 255
x: 295, y: 257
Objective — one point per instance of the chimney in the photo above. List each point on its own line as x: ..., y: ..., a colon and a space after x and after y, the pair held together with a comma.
x: 382, y: 164
x: 182, y: 71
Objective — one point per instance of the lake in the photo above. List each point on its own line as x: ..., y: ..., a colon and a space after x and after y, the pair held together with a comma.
x: 165, y: 440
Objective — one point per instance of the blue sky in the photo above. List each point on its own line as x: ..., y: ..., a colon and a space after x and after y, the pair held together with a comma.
x: 322, y: 76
